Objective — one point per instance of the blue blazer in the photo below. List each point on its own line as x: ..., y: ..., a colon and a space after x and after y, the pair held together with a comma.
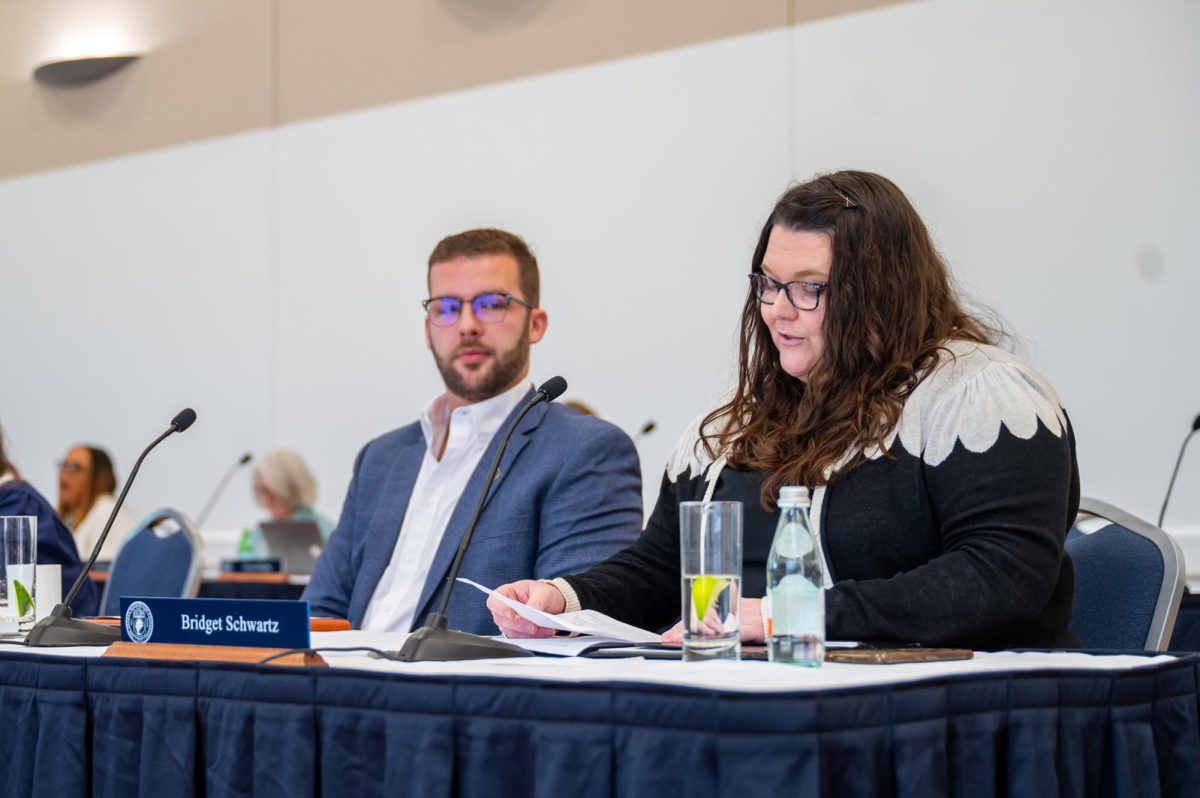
x: 567, y: 496
x: 55, y: 543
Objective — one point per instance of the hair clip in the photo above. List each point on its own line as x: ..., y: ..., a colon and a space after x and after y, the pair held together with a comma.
x: 846, y: 199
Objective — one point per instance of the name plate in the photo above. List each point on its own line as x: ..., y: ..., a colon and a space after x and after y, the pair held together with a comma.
x: 269, y: 565
x: 215, y: 622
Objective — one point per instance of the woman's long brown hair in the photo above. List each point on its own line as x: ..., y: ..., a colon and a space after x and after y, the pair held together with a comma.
x: 890, y: 306
x: 6, y: 465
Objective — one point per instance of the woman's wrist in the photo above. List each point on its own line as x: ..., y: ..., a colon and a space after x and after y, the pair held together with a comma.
x: 570, y: 599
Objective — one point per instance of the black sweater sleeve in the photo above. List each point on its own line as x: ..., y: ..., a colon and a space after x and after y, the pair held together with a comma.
x: 640, y: 584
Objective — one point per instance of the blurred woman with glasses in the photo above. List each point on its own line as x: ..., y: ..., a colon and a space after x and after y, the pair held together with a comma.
x: 54, y: 543
x: 86, y: 484
x: 942, y: 468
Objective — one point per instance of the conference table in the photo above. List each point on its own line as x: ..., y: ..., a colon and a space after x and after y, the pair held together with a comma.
x: 1008, y: 723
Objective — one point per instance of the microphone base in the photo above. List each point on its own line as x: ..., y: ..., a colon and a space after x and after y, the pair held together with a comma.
x: 435, y: 643
x: 60, y: 629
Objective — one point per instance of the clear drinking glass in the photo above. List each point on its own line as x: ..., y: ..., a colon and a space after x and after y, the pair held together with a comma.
x: 18, y: 565
x: 710, y: 560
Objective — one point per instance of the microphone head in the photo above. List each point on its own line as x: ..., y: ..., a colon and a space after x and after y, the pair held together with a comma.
x: 1196, y: 423
x: 246, y: 458
x: 185, y: 418
x: 553, y: 388
x: 649, y: 427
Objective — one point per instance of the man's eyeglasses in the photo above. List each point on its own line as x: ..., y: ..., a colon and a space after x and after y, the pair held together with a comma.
x: 489, y: 308
x: 802, y: 294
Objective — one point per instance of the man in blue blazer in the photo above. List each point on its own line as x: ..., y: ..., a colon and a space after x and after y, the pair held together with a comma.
x: 568, y: 490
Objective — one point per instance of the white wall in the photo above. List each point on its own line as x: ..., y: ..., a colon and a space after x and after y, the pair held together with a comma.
x: 271, y: 280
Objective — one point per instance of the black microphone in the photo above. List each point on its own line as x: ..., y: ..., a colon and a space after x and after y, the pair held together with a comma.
x: 59, y: 628
x: 212, y: 500
x: 646, y: 429
x: 1162, y: 513
x: 435, y: 641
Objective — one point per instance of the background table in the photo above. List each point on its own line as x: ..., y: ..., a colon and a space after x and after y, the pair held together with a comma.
x: 76, y: 725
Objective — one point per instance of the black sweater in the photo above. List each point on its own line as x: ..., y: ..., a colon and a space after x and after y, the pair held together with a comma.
x: 954, y: 538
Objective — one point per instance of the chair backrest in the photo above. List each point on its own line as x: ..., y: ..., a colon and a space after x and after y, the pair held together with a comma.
x: 160, y: 557
x: 1129, y: 578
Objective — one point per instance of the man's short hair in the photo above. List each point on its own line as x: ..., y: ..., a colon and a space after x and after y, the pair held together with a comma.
x: 490, y: 241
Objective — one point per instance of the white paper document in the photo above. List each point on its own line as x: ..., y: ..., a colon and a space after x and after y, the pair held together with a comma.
x: 584, y: 622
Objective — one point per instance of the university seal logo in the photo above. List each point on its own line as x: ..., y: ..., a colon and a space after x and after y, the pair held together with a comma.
x: 139, y: 622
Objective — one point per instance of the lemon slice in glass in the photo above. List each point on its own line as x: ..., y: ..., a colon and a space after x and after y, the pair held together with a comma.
x: 705, y: 590
x: 24, y: 600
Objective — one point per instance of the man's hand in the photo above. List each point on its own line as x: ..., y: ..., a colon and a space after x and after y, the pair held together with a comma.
x: 539, y: 595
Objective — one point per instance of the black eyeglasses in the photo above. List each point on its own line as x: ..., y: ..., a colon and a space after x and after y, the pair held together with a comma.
x: 802, y: 294
x: 489, y: 308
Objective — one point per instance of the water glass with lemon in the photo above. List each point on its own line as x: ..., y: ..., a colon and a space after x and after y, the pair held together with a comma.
x: 710, y: 554
x: 18, y: 565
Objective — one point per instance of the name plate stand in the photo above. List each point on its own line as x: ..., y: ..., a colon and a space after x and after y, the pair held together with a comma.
x: 190, y: 653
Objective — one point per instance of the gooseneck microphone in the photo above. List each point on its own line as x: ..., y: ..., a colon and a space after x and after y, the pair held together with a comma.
x: 224, y: 483
x: 435, y: 641
x: 59, y: 628
x: 1170, y: 487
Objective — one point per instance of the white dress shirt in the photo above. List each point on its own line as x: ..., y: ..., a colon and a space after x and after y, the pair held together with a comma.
x: 439, y: 486
x: 87, y: 532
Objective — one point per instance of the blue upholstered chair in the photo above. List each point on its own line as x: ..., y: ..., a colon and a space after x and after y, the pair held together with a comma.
x: 1129, y: 578
x: 160, y: 557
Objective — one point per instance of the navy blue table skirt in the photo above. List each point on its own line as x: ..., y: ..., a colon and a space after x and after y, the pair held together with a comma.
x: 72, y: 727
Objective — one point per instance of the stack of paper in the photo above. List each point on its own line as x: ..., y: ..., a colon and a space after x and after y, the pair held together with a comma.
x: 598, y: 629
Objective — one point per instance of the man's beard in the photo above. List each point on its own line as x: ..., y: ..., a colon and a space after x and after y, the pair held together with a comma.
x: 505, y: 368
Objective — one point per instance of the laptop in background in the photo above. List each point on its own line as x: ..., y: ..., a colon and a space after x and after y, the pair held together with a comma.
x: 297, y: 544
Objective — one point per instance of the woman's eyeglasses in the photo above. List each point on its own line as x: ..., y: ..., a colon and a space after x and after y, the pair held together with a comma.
x: 489, y: 308
x: 70, y: 468
x: 802, y: 294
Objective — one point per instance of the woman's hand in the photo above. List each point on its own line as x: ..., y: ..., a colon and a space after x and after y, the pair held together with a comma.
x: 750, y: 620
x: 539, y: 595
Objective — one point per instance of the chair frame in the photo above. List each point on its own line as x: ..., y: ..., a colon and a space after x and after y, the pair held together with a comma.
x: 1170, y: 594
x: 185, y: 528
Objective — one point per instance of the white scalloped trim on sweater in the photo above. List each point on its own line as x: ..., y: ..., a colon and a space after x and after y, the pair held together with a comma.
x: 967, y: 397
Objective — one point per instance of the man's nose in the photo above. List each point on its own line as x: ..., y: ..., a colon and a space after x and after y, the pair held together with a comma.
x: 468, y: 323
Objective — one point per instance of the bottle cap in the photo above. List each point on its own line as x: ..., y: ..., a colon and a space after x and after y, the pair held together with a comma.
x: 793, y: 496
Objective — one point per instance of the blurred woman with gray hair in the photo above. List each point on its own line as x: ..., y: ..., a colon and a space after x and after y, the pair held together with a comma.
x: 285, y: 487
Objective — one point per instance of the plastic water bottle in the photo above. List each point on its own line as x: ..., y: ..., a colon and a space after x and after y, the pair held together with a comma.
x: 246, y: 548
x: 795, y: 629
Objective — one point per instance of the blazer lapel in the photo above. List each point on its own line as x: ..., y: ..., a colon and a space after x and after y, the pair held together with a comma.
x: 384, y: 528
x: 456, y: 527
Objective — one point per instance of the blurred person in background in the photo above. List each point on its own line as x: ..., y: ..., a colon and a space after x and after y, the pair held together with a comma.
x: 54, y: 542
x: 284, y: 487
x: 86, y: 484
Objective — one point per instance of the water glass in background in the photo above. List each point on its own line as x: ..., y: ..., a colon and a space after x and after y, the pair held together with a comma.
x: 710, y: 558
x: 18, y: 564
x: 795, y: 608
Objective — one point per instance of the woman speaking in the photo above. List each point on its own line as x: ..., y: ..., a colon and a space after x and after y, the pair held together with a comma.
x: 942, y: 467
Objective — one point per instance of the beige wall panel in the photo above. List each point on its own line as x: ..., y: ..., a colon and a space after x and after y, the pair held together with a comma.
x: 217, y: 67
x: 205, y: 71
x: 371, y: 52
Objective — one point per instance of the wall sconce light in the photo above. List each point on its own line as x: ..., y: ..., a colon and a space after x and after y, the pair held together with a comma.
x: 78, y: 71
